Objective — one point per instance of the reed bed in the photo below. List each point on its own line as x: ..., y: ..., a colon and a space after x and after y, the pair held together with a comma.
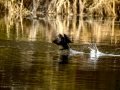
x: 76, y: 7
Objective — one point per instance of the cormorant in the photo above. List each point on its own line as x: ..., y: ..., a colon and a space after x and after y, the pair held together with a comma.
x: 63, y: 41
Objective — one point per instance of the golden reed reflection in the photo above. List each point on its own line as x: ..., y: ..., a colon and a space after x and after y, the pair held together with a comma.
x: 80, y: 29
x: 37, y: 67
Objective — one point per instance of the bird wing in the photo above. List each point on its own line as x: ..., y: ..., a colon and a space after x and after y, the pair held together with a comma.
x: 67, y: 39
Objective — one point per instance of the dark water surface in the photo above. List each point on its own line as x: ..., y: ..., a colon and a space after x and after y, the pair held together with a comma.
x: 30, y: 61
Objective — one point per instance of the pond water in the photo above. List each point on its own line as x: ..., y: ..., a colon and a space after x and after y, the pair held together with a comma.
x: 30, y: 61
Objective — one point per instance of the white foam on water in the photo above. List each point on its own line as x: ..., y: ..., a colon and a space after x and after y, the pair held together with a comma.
x: 75, y: 52
x: 94, y: 52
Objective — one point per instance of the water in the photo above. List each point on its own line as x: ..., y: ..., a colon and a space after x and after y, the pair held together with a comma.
x: 30, y: 61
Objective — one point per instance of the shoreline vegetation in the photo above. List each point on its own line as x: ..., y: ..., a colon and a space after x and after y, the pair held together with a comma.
x: 64, y: 7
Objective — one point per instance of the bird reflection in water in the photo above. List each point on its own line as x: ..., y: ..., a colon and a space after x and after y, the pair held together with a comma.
x: 64, y: 59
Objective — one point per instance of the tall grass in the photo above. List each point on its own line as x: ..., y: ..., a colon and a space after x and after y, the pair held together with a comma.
x: 81, y: 7
x: 87, y: 7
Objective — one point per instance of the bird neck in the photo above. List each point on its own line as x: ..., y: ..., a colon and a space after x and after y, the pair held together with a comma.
x: 69, y: 48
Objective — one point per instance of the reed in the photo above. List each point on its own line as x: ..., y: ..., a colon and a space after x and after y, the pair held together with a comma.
x: 87, y: 7
x: 80, y: 7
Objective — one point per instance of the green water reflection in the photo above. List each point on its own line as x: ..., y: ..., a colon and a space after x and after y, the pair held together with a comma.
x: 29, y: 61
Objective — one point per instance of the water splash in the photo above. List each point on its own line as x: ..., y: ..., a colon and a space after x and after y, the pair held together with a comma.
x: 94, y: 52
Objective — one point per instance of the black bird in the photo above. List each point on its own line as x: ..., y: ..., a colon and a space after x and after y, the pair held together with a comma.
x: 63, y: 41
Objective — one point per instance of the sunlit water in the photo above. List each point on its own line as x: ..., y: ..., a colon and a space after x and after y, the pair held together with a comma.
x: 30, y: 61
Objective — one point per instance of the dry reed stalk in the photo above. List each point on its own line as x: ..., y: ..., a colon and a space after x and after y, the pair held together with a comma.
x: 103, y: 7
x: 14, y: 6
x: 95, y: 7
x: 88, y: 7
